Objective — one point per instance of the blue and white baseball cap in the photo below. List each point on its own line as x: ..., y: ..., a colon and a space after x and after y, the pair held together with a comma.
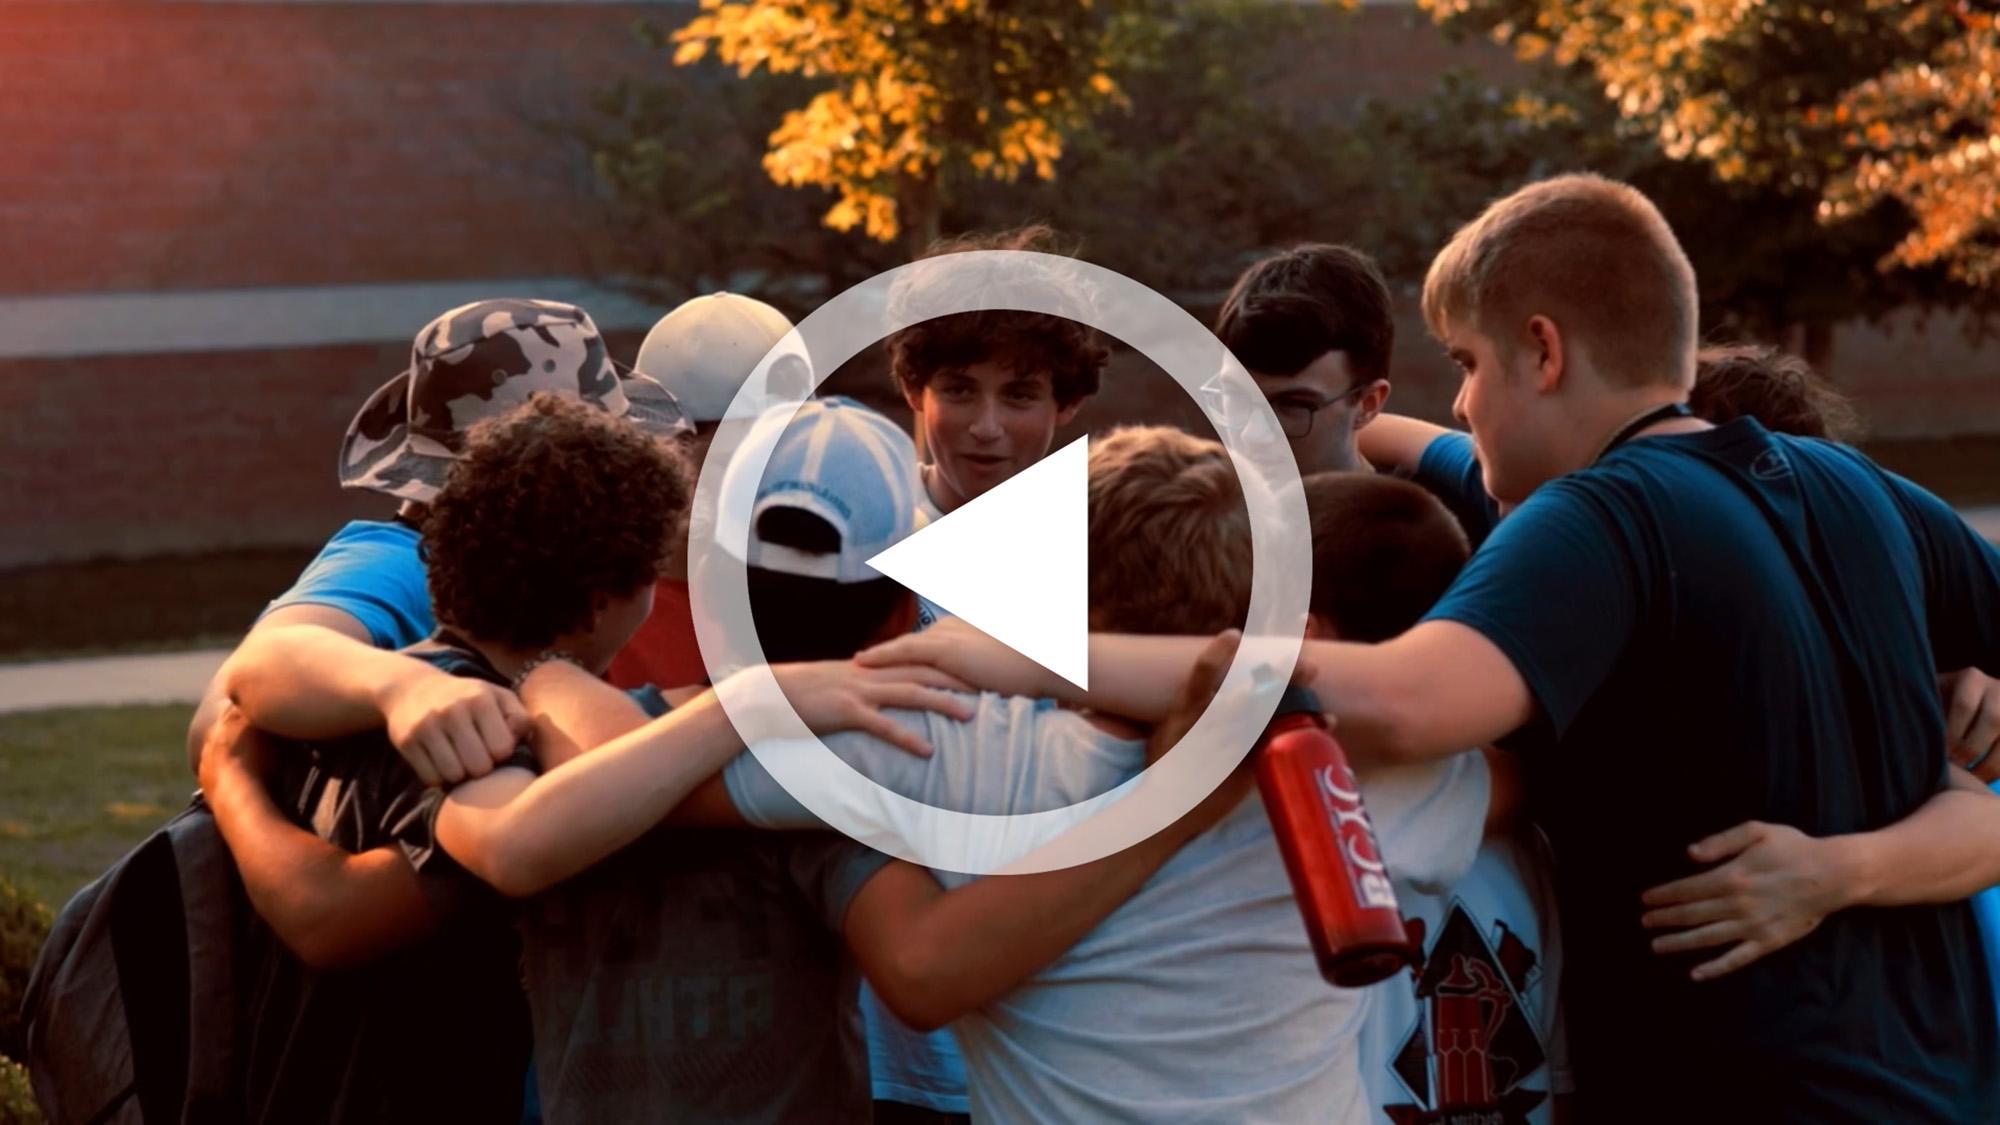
x: 840, y: 461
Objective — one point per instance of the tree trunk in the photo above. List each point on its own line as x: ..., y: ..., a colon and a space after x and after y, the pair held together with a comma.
x: 920, y: 207
x: 1816, y: 346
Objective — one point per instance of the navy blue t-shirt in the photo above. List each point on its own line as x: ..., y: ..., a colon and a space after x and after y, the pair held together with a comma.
x: 1449, y: 468
x: 1688, y: 678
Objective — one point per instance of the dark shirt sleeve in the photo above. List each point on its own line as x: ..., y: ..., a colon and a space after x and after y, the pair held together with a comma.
x: 412, y: 819
x: 1450, y: 470
x: 830, y: 870
x: 1961, y: 581
x: 1559, y: 589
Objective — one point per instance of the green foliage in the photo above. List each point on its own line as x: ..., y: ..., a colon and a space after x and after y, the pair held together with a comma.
x: 1767, y: 265
x: 1213, y: 158
x: 1852, y: 104
x: 912, y: 96
x: 17, y: 1097
x: 24, y: 924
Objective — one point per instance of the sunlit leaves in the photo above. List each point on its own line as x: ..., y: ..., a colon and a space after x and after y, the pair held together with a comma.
x: 1857, y: 102
x: 918, y: 91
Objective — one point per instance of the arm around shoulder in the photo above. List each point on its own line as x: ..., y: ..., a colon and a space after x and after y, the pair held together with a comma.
x: 330, y: 907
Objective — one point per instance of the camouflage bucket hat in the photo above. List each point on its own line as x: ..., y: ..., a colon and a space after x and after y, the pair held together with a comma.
x: 479, y: 361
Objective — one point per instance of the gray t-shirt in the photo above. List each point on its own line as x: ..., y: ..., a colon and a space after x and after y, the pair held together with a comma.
x: 700, y: 976
x: 1197, y: 1000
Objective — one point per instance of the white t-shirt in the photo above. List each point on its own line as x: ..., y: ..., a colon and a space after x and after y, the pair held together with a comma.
x: 1199, y: 998
x: 1473, y: 1033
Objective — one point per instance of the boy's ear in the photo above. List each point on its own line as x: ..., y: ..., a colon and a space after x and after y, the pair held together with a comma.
x: 1371, y: 403
x: 913, y: 396
x: 1550, y: 349
x: 1317, y: 629
x: 1067, y: 414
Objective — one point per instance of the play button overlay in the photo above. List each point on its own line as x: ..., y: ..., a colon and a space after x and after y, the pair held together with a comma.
x: 1014, y: 563
x: 1022, y: 575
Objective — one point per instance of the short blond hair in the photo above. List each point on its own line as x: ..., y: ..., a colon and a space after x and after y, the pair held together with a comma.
x: 1593, y: 255
x: 1169, y: 534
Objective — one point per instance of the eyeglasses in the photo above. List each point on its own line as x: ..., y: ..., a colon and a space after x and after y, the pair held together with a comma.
x: 1297, y: 417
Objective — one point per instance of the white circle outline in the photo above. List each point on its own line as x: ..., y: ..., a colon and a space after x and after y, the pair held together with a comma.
x: 1015, y: 843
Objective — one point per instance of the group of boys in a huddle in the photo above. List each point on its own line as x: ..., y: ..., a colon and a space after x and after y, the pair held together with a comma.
x: 505, y: 846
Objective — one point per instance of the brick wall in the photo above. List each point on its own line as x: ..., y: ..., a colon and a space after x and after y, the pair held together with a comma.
x: 190, y: 146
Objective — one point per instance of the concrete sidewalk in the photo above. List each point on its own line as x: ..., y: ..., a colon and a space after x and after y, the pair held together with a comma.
x: 168, y: 677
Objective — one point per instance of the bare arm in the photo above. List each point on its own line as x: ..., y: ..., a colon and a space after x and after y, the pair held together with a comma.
x: 1396, y: 442
x: 312, y: 682
x: 1778, y: 884
x: 1949, y: 849
x: 216, y: 698
x: 522, y: 833
x: 330, y: 907
x: 575, y: 713
x: 1430, y: 693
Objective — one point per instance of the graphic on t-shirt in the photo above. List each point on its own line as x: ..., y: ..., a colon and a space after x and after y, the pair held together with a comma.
x: 1474, y: 1046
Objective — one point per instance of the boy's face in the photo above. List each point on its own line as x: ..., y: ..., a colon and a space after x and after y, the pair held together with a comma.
x: 1321, y: 408
x: 984, y: 424
x: 1502, y: 400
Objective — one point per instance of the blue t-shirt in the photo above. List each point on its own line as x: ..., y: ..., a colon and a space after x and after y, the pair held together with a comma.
x: 1689, y: 676
x: 370, y: 570
x: 1449, y: 468
x: 1986, y: 904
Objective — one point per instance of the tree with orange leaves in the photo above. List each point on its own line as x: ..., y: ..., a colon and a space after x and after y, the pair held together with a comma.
x: 920, y: 93
x: 1859, y: 103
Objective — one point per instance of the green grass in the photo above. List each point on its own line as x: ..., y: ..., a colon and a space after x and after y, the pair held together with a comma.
x: 80, y: 787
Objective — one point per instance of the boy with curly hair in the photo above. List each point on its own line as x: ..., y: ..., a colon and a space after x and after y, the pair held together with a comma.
x: 543, y: 544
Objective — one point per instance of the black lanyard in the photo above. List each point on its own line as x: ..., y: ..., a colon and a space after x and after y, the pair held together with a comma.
x: 1649, y: 418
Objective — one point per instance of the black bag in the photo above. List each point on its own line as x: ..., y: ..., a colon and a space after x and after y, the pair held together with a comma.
x: 131, y: 1008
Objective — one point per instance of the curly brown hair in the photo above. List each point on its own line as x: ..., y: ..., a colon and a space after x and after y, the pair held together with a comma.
x: 1777, y: 388
x: 555, y: 507
x: 1072, y: 354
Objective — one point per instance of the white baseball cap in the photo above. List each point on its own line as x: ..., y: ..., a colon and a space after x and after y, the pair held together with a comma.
x: 840, y: 461
x: 703, y: 351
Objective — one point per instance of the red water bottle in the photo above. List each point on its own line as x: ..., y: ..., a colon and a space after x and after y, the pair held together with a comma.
x: 1336, y: 868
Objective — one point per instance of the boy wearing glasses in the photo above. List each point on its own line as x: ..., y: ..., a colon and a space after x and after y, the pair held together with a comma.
x: 1312, y: 325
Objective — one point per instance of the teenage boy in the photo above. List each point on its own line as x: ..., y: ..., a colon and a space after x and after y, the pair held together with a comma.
x: 1313, y: 327
x: 1772, y: 606
x: 1785, y: 396
x: 340, y: 855
x: 367, y: 585
x: 701, y: 974
x: 704, y: 349
x: 988, y: 390
x: 1473, y: 1028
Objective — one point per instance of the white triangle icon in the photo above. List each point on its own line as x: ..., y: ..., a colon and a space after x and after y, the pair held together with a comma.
x: 1015, y: 563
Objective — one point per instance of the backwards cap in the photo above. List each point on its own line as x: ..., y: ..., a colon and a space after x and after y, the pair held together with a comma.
x: 705, y: 349
x: 838, y: 460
